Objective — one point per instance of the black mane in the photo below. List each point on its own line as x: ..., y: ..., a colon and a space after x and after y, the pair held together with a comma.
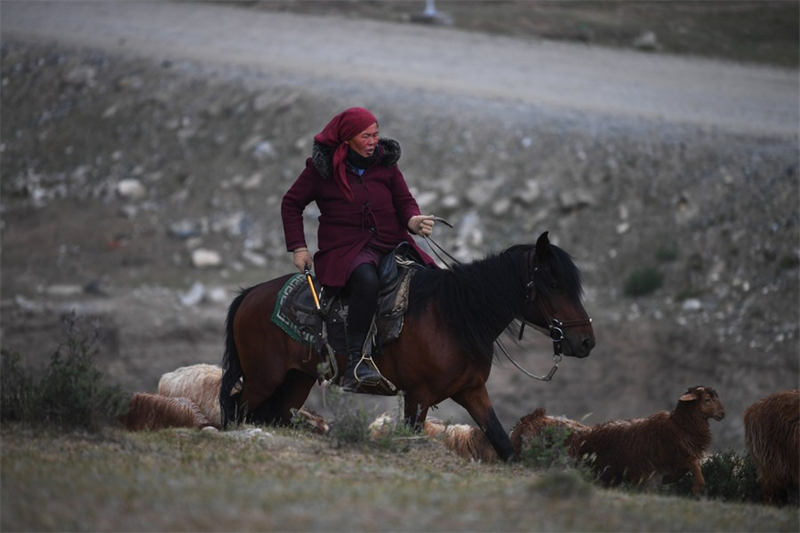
x: 478, y: 300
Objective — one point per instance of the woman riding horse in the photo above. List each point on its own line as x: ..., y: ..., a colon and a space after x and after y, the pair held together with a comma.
x: 366, y: 210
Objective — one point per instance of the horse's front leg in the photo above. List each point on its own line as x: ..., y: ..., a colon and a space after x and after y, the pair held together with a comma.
x: 414, y: 412
x: 476, y: 402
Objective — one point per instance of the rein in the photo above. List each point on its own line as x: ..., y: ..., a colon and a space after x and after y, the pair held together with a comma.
x: 555, y: 328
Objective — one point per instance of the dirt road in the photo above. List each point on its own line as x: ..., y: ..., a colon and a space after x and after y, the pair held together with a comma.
x: 329, y: 51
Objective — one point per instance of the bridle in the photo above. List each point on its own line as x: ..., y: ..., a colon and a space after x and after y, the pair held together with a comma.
x: 555, y: 330
x: 555, y: 327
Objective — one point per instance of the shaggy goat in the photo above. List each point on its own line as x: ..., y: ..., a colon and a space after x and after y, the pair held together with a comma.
x: 772, y: 435
x: 666, y: 443
x: 152, y: 411
x: 200, y: 383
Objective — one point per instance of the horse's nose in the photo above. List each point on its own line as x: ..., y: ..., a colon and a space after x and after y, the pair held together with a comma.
x: 587, y: 344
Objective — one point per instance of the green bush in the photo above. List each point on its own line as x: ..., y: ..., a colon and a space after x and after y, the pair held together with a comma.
x: 16, y: 388
x: 71, y: 393
x: 642, y: 282
x: 729, y: 477
x: 350, y: 424
x: 549, y: 449
x: 665, y: 254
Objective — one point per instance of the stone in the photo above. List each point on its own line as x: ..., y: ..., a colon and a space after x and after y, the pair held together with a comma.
x: 131, y: 189
x: 194, y: 295
x: 205, y: 258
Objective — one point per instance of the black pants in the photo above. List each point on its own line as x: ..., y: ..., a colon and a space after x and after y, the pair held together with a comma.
x: 362, y: 293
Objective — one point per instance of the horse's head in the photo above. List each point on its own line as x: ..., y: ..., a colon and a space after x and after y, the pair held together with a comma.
x: 553, y: 299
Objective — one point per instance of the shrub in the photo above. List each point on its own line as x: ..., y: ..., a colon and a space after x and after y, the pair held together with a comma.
x: 548, y: 449
x: 16, y: 388
x: 729, y: 477
x: 350, y: 424
x: 643, y: 282
x: 665, y: 254
x: 71, y: 393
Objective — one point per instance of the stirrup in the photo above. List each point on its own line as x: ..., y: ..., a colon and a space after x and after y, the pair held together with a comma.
x: 372, y: 380
x: 381, y: 383
x: 366, y: 358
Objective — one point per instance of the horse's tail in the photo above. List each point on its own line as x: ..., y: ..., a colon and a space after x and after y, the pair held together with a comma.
x: 230, y: 391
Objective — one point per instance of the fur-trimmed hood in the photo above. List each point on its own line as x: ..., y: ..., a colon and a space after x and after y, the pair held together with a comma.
x: 322, y: 156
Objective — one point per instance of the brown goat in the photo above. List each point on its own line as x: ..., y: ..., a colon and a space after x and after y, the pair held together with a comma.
x: 200, y: 383
x: 666, y: 443
x: 772, y: 436
x: 152, y: 411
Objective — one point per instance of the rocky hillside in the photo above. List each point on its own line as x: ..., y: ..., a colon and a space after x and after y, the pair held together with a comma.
x: 144, y: 193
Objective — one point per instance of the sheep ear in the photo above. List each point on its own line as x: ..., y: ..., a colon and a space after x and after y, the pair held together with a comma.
x: 688, y: 397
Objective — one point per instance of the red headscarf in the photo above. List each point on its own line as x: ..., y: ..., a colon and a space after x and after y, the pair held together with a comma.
x: 339, y: 130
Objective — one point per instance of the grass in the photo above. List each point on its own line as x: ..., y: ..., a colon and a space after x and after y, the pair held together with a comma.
x: 285, y: 479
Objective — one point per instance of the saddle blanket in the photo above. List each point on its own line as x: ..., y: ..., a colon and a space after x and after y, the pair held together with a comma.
x: 296, y: 314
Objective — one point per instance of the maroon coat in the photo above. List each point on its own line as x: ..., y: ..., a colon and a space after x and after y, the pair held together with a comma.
x: 378, y: 213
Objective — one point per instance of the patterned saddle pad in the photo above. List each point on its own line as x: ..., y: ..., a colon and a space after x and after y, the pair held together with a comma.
x: 296, y: 314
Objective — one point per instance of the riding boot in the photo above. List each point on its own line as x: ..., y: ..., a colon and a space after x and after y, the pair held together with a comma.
x: 359, y: 372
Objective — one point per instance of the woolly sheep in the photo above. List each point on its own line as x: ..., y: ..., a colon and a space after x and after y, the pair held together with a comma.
x: 772, y: 436
x: 200, y: 383
x: 666, y: 443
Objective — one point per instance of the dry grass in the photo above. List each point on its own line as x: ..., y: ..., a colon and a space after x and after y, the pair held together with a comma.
x: 177, y: 480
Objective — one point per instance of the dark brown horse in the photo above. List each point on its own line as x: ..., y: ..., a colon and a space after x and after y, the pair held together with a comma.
x: 444, y: 351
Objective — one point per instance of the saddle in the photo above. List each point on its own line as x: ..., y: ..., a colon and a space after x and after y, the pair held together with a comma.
x: 296, y: 314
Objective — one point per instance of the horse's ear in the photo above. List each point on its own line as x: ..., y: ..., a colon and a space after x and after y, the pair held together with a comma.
x: 542, y: 246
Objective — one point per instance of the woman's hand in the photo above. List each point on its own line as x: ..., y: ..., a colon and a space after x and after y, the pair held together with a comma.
x: 421, y: 224
x: 302, y: 259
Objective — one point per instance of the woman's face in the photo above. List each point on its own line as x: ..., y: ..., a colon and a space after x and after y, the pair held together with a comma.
x: 365, y: 142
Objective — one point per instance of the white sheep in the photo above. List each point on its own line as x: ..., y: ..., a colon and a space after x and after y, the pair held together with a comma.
x: 200, y: 383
